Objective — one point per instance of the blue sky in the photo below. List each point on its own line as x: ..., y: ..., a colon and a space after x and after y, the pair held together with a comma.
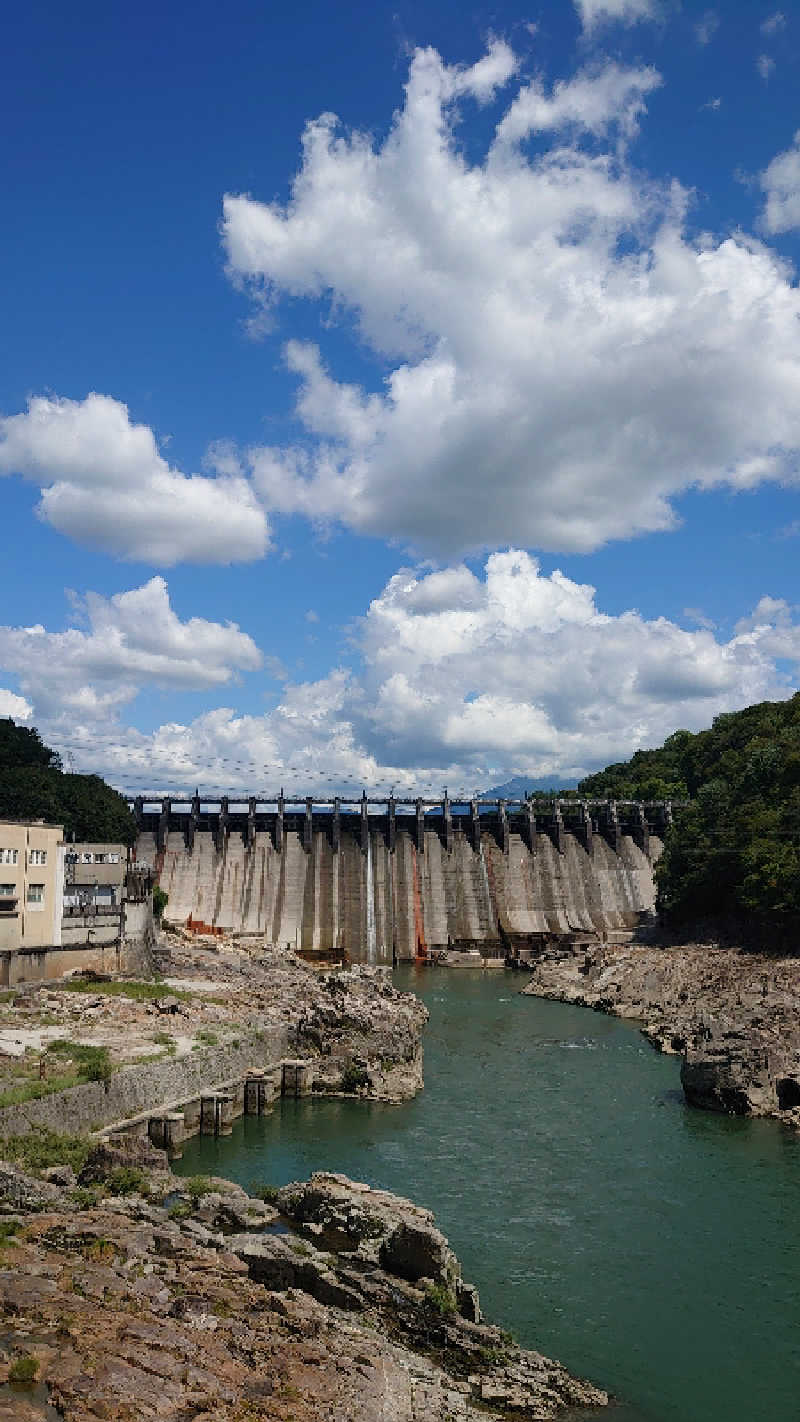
x: 313, y: 456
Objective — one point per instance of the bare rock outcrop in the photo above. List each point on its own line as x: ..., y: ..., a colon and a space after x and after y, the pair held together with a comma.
x: 733, y: 1016
x: 134, y: 1309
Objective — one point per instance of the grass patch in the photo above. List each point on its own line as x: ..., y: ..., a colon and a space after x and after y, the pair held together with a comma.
x: 441, y: 1300
x: 33, y: 1088
x: 44, y: 1147
x: 267, y: 1193
x: 208, y: 1038
x: 91, y: 1063
x: 6, y: 997
x: 84, y: 1197
x: 163, y: 1039
x: 8, y: 1229
x: 180, y: 1210
x: 138, y: 990
x: 24, y: 1369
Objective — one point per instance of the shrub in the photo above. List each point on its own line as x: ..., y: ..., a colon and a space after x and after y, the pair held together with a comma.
x: 268, y: 1193
x: 83, y: 1197
x: 44, y: 1147
x: 91, y: 1063
x: 180, y: 1210
x: 197, y: 1186
x: 160, y: 901
x: 354, y: 1077
x: 24, y: 1369
x: 8, y: 1228
x: 128, y: 1180
x: 440, y: 1299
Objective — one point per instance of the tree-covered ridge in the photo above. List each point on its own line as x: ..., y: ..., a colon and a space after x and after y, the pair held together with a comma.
x: 736, y: 851
x: 33, y: 787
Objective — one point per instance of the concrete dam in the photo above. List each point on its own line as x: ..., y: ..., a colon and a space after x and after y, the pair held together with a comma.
x: 385, y: 881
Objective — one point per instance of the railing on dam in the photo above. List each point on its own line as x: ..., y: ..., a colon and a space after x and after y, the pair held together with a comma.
x: 279, y: 815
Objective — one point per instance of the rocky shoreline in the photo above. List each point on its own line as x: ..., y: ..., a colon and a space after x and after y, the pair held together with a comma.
x: 128, y: 1293
x: 733, y: 1016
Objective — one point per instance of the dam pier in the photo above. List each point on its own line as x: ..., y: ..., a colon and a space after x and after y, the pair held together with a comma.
x: 391, y: 880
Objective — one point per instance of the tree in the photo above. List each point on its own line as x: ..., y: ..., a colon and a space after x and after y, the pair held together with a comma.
x: 33, y: 787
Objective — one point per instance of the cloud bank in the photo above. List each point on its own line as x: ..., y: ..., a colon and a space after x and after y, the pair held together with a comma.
x: 464, y: 679
x: 105, y: 484
x: 562, y: 357
x: 81, y: 678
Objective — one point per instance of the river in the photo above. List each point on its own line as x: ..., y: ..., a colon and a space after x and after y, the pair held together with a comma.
x: 650, y: 1247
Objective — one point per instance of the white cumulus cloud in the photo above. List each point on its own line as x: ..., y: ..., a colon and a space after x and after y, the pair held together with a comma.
x: 465, y: 679
x: 105, y: 484
x: 134, y: 639
x: 780, y: 181
x: 14, y: 706
x: 561, y: 357
x: 625, y: 12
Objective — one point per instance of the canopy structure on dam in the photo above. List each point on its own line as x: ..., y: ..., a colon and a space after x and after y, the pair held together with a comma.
x: 387, y: 880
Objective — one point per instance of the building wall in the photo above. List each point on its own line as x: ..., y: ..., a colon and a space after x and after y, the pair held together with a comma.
x: 31, y: 885
x: 96, y: 863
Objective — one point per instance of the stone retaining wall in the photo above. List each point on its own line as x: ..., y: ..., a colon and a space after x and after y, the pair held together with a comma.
x: 136, y: 1090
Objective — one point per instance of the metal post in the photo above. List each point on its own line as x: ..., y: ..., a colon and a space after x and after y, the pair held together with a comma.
x: 364, y: 823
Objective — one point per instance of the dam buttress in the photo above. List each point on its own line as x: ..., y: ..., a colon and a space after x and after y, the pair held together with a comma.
x: 386, y: 881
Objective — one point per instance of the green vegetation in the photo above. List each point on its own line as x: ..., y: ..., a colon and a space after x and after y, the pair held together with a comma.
x: 180, y: 1210
x: 736, y: 852
x: 80, y: 1064
x: 84, y: 1197
x: 197, y: 1186
x: 34, y: 787
x: 208, y: 1038
x: 44, y: 1147
x: 91, y: 1063
x: 24, y: 1369
x: 160, y: 900
x: 267, y: 1193
x: 8, y: 1229
x: 128, y: 1180
x: 139, y: 991
x: 354, y: 1077
x: 441, y: 1299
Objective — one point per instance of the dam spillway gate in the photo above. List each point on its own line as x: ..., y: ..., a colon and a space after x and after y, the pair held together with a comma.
x: 393, y: 880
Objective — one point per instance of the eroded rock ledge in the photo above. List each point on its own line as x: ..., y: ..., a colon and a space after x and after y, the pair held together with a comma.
x: 335, y: 1302
x: 733, y: 1016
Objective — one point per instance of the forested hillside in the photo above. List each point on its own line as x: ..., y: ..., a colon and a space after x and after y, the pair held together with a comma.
x: 736, y: 852
x: 34, y: 787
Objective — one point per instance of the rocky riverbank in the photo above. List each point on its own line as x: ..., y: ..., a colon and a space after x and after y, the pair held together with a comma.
x: 733, y: 1016
x: 128, y: 1294
x: 87, y: 1053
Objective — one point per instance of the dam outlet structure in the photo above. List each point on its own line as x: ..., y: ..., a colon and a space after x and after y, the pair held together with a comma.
x: 387, y: 881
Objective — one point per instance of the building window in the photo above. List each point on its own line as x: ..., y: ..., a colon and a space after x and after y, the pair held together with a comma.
x: 35, y: 894
x: 8, y: 891
x: 87, y: 858
x: 9, y: 856
x: 113, y: 859
x: 37, y: 856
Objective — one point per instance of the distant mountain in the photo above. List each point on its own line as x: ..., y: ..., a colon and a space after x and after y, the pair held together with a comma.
x: 521, y: 785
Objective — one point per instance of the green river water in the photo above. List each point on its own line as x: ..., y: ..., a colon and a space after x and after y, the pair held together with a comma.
x: 648, y: 1246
